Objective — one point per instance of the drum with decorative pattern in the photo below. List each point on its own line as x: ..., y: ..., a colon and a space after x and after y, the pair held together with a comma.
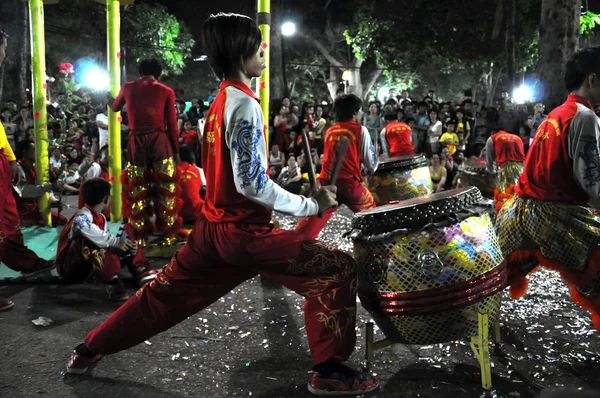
x: 400, y: 178
x: 429, y: 265
x: 477, y: 175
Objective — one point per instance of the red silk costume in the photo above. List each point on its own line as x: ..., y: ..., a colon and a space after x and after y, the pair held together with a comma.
x: 233, y: 241
x: 190, y: 183
x: 29, y: 212
x: 350, y: 190
x: 509, y: 154
x: 396, y: 138
x: 13, y: 252
x: 79, y: 258
x: 508, y: 148
x: 150, y: 170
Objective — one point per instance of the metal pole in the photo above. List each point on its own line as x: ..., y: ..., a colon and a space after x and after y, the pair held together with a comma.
x: 263, y: 17
x: 40, y: 123
x: 113, y: 23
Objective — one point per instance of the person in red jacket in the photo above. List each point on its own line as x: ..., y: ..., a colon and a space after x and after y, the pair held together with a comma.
x: 152, y: 155
x: 350, y: 190
x: 551, y: 221
x: 396, y: 139
x: 87, y: 250
x: 507, y: 151
x: 189, y: 139
x: 233, y: 239
x: 190, y: 182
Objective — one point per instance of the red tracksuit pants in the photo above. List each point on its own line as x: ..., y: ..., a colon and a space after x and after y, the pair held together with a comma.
x: 219, y: 256
x: 13, y: 252
x: 84, y: 260
x: 350, y: 193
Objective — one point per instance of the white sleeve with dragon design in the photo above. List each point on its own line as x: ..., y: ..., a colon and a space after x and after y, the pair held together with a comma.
x: 584, y: 138
x: 243, y: 125
x: 368, y: 156
x: 83, y: 225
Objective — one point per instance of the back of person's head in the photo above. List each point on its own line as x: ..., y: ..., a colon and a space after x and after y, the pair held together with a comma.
x: 185, y: 154
x: 23, y: 148
x: 95, y: 191
x: 3, y: 36
x: 346, y: 107
x: 229, y: 40
x: 151, y: 67
x: 582, y: 64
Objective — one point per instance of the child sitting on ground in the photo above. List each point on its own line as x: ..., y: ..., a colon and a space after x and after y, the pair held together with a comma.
x: 86, y: 248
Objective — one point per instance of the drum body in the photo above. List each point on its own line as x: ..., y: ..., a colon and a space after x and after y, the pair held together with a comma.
x: 428, y: 266
x: 400, y: 178
x: 478, y: 176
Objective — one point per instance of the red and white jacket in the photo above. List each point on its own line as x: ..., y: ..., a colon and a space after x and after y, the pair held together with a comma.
x: 563, y: 163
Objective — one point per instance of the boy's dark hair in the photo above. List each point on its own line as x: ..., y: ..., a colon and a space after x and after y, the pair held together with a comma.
x: 151, y: 67
x: 346, y: 106
x: 185, y: 154
x: 581, y: 64
x: 22, y: 147
x: 451, y: 122
x: 95, y: 190
x: 410, y: 119
x: 229, y: 39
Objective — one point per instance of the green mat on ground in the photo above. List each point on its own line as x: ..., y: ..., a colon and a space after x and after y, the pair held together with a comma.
x: 44, y: 242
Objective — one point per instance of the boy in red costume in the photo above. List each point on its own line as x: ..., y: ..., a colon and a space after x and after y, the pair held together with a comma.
x: 350, y: 189
x: 27, y: 191
x: 86, y: 248
x: 153, y: 153
x: 508, y: 152
x: 396, y: 139
x: 233, y: 240
x: 549, y: 222
x: 190, y: 183
x: 13, y: 252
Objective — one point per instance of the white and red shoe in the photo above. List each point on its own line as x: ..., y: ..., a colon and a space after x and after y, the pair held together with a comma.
x: 78, y: 364
x: 6, y: 305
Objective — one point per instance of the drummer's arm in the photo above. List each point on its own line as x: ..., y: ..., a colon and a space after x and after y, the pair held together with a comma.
x: 584, y: 149
x: 248, y: 150
x: 368, y: 157
x: 490, y: 155
x: 384, y: 144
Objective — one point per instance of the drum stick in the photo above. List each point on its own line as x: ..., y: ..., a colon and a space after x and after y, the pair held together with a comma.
x: 309, y: 162
x: 337, y: 166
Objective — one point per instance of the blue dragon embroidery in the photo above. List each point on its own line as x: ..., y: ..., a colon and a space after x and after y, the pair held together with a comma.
x: 249, y: 165
x: 373, y: 154
x: 81, y: 221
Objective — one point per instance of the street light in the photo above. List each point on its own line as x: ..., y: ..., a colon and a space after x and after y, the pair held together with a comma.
x: 288, y: 29
x: 346, y: 76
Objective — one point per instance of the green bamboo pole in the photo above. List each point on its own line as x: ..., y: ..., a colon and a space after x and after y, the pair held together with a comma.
x: 113, y: 23
x: 40, y: 122
x: 263, y: 17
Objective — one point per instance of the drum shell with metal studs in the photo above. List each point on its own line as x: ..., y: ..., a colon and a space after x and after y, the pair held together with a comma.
x: 477, y: 175
x: 428, y: 266
x: 400, y: 178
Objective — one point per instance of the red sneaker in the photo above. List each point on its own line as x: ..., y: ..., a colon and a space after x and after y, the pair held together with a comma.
x: 78, y: 364
x: 145, y: 276
x: 116, y: 291
x: 337, y: 384
x: 6, y: 304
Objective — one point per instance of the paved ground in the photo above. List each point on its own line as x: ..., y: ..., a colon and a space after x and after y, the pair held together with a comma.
x: 253, y: 343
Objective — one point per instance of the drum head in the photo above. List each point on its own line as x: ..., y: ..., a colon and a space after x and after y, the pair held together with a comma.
x: 401, y: 163
x: 418, y: 212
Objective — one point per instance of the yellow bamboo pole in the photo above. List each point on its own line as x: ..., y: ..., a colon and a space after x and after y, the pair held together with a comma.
x: 40, y: 122
x: 263, y: 18
x: 113, y: 23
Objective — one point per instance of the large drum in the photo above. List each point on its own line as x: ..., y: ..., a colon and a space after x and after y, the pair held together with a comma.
x: 428, y: 266
x: 477, y: 175
x: 400, y: 178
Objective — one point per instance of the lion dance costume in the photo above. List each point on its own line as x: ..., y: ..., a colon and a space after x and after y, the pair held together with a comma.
x: 150, y: 180
x: 508, y: 152
x: 548, y: 222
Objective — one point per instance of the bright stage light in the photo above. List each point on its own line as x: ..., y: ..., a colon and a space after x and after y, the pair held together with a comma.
x: 522, y: 95
x: 382, y: 93
x: 288, y: 29
x: 96, y: 79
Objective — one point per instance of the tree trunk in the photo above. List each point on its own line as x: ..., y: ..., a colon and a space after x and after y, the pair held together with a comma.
x: 369, y: 80
x: 278, y: 88
x: 333, y: 83
x: 511, y: 9
x: 559, y: 39
x: 1, y: 83
x: 22, y: 44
